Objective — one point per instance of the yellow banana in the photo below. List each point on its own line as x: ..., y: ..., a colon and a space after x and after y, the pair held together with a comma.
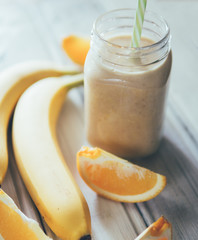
x: 13, y: 82
x: 40, y: 160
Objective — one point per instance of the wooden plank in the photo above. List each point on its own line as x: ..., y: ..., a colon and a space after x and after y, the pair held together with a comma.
x: 34, y: 30
x: 18, y: 38
x: 178, y: 201
x: 9, y: 187
x: 109, y: 219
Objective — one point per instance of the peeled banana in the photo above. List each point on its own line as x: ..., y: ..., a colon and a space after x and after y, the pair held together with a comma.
x: 13, y: 82
x: 40, y: 160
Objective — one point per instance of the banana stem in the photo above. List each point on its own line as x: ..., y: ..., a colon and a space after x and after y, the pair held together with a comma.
x: 74, y: 80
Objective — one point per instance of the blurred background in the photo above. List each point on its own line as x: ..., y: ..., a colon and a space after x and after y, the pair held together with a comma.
x: 34, y: 29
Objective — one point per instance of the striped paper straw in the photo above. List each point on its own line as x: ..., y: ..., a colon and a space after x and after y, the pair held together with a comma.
x: 139, y: 19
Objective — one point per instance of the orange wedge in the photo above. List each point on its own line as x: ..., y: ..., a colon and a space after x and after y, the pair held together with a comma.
x: 14, y: 225
x: 159, y: 230
x: 76, y: 48
x: 116, y: 178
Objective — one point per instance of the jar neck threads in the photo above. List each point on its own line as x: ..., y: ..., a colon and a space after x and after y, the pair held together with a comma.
x: 120, y: 23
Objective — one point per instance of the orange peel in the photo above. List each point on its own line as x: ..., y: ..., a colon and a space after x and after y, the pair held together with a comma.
x: 76, y: 48
x: 159, y: 230
x: 14, y: 225
x: 117, y: 179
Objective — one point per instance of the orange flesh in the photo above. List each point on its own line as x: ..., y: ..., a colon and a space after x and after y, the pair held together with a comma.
x: 112, y: 178
x: 76, y: 48
x: 159, y: 226
x: 12, y: 227
x: 90, y: 153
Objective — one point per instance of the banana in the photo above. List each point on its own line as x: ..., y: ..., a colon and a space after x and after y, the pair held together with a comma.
x: 13, y: 82
x: 41, y: 163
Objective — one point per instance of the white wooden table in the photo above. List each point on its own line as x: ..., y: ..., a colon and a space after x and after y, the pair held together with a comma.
x: 34, y: 30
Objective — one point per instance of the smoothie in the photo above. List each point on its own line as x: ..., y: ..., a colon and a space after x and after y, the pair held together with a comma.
x: 124, y: 106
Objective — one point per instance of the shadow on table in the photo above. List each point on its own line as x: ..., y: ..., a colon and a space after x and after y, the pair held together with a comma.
x: 178, y: 202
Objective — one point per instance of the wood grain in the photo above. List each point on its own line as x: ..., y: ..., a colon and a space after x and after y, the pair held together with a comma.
x: 33, y: 30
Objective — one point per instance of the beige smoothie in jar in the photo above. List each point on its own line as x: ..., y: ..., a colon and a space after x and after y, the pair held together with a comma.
x: 126, y: 88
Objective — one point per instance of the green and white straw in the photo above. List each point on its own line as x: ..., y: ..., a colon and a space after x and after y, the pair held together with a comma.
x: 139, y: 20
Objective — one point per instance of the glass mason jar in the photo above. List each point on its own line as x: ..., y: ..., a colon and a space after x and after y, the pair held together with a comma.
x: 125, y: 87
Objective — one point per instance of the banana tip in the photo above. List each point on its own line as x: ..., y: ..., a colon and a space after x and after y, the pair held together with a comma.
x: 86, y: 237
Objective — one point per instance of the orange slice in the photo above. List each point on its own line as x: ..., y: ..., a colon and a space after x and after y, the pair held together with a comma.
x: 76, y: 48
x: 159, y: 230
x: 14, y: 225
x: 116, y: 178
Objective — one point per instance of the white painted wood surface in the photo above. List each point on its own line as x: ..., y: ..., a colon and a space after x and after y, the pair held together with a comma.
x: 34, y: 29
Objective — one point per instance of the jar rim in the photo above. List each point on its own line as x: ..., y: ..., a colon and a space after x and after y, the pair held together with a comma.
x: 136, y: 49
